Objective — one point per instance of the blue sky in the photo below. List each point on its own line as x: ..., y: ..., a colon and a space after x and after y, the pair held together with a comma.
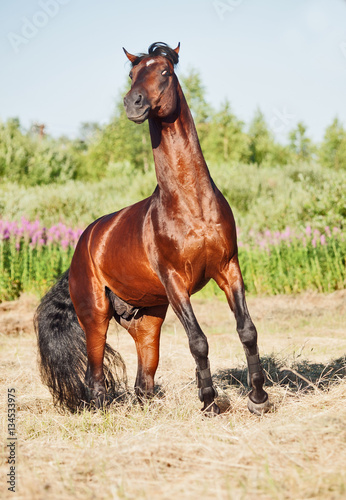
x: 62, y: 61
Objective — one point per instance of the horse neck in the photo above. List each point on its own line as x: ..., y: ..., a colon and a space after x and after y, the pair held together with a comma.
x: 180, y: 166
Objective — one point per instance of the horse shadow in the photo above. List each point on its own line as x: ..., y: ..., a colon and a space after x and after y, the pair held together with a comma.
x: 299, y: 377
x: 303, y: 376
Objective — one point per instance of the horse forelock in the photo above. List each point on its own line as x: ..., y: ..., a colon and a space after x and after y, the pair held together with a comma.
x: 159, y: 49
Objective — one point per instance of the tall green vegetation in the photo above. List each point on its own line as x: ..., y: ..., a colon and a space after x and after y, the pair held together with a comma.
x: 332, y: 153
x: 300, y: 145
x: 118, y: 142
x: 226, y: 140
x: 31, y: 160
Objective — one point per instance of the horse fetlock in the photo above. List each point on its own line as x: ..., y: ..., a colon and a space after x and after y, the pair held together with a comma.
x: 143, y: 395
x: 256, y: 379
x: 207, y: 394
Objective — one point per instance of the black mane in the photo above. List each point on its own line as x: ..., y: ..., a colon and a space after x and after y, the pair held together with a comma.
x: 159, y: 49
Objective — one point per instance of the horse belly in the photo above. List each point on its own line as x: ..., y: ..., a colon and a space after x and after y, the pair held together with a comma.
x: 136, y: 286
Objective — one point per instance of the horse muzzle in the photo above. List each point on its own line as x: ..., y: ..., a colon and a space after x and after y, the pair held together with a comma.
x: 136, y: 106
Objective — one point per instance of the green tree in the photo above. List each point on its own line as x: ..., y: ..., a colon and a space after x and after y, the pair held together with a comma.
x: 88, y: 131
x: 226, y: 140
x: 332, y: 152
x: 119, y: 141
x: 15, y: 150
x: 50, y: 163
x: 195, y: 93
x: 263, y: 150
x: 32, y: 160
x: 261, y: 140
x: 300, y: 145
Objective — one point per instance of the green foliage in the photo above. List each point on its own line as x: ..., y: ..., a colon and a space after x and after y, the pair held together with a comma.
x: 30, y: 268
x: 15, y: 151
x: 50, y: 163
x: 327, y: 204
x: 261, y: 140
x: 119, y: 141
x: 293, y: 267
x: 274, y: 197
x: 88, y: 132
x: 261, y: 198
x: 195, y: 93
x: 300, y: 145
x: 332, y: 153
x: 31, y: 160
x: 76, y: 203
x: 226, y: 140
x: 263, y: 150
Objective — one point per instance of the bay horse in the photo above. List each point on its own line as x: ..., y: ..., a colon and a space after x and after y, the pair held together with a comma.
x: 133, y: 263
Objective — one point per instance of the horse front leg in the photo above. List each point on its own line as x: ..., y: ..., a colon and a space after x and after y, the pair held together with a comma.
x: 231, y: 282
x: 180, y: 301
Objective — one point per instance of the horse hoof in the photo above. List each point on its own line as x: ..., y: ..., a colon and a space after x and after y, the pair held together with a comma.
x: 99, y: 401
x: 258, y: 408
x: 211, y: 411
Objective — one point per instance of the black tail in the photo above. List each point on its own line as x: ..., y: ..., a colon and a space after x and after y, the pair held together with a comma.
x: 62, y: 351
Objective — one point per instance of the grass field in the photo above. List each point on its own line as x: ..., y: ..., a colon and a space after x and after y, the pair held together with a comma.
x: 168, y: 449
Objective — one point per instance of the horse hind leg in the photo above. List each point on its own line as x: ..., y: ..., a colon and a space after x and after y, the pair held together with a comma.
x: 96, y: 332
x: 106, y: 370
x: 94, y: 311
x: 145, y: 328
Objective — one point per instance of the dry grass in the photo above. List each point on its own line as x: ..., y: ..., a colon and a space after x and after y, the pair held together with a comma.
x: 168, y: 450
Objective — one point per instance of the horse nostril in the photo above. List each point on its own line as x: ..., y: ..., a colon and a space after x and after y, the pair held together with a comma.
x: 138, y: 100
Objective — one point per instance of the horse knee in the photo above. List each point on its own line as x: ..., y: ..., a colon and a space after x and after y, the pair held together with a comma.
x: 199, y: 346
x: 248, y: 334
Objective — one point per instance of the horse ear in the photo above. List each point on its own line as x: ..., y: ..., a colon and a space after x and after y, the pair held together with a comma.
x: 177, y: 49
x: 129, y: 56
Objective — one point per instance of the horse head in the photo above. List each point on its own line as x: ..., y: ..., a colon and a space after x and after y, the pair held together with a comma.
x: 153, y: 90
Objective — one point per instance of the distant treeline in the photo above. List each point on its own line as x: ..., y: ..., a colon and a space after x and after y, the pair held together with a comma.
x: 30, y: 159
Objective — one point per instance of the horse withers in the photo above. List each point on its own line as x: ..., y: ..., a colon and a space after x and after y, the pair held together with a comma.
x: 133, y: 263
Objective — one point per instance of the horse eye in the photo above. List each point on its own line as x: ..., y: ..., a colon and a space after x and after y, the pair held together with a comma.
x: 130, y: 75
x: 164, y: 72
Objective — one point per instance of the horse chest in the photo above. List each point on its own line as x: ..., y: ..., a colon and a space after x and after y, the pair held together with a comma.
x: 205, y: 250
x: 195, y: 241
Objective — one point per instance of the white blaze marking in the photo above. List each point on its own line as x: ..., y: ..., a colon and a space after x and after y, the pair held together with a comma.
x: 151, y: 61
